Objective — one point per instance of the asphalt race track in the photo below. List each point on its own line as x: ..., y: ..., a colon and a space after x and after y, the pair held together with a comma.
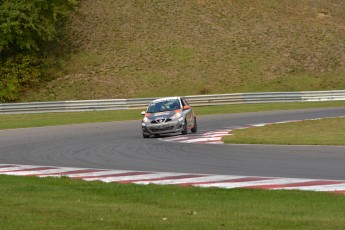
x: 120, y: 146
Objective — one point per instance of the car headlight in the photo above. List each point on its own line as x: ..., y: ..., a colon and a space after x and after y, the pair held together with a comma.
x: 176, y: 116
x: 146, y: 120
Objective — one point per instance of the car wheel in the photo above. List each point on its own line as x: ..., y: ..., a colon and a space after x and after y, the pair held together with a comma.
x: 195, y: 127
x: 185, y: 129
x: 145, y: 135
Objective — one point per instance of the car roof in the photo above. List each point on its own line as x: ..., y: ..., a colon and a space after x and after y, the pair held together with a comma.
x: 166, y: 98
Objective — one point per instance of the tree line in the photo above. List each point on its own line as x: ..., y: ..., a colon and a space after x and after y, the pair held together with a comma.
x: 31, y: 32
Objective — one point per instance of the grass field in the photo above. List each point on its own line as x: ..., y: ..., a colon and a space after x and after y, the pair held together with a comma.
x: 130, y: 48
x: 48, y: 203
x: 320, y: 132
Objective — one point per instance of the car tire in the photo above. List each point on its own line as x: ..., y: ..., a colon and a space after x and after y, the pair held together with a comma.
x: 195, y: 127
x: 185, y: 128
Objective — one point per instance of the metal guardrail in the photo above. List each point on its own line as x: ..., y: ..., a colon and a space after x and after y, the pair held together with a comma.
x: 196, y: 100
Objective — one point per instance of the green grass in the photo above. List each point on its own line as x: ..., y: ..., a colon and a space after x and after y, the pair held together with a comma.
x: 330, y: 131
x: 130, y: 48
x: 243, y: 108
x: 48, y: 203
x: 48, y: 119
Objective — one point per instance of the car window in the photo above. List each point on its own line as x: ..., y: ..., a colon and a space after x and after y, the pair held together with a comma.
x: 184, y: 102
x: 164, y: 105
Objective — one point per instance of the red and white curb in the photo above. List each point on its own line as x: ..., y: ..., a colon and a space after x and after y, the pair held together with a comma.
x: 210, y: 137
x: 181, y: 179
x: 215, y: 137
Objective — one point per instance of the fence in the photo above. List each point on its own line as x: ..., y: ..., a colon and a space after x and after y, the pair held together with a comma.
x: 196, y: 100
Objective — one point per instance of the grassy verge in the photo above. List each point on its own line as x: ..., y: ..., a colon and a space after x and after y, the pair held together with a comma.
x: 46, y: 119
x: 47, y: 203
x: 329, y: 131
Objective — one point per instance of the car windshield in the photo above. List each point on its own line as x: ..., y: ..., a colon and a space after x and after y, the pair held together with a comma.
x: 164, y: 105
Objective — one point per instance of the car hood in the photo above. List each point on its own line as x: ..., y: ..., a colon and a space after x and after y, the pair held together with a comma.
x: 161, y: 115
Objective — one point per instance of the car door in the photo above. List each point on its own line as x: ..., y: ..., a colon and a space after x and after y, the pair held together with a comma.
x: 188, y: 112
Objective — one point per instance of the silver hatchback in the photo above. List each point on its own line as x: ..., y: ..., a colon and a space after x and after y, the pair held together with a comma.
x: 168, y: 115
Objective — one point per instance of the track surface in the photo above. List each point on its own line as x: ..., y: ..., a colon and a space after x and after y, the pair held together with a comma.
x: 120, y: 146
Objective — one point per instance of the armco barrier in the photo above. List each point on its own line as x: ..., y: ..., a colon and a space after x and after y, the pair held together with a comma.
x: 272, y: 97
x: 215, y: 99
x: 195, y: 100
x: 336, y: 95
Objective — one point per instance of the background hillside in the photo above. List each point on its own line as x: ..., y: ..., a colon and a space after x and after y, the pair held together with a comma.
x: 137, y: 48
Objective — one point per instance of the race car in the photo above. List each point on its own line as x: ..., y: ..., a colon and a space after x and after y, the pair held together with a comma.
x: 168, y: 115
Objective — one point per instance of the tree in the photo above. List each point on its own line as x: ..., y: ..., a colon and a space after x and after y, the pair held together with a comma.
x: 27, y: 28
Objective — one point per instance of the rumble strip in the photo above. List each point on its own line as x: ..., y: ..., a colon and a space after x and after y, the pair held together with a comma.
x: 181, y: 179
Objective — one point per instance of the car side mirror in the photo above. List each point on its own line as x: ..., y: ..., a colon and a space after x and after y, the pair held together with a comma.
x: 143, y: 113
x: 186, y: 107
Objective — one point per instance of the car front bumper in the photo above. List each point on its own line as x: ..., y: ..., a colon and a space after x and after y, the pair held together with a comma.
x: 162, y: 128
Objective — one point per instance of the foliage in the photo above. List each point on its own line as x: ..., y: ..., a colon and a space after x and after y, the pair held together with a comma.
x: 27, y: 25
x: 28, y: 28
x: 18, y: 73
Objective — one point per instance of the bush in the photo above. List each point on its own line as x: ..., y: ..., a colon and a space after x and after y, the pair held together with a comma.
x: 19, y: 73
x: 28, y: 28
